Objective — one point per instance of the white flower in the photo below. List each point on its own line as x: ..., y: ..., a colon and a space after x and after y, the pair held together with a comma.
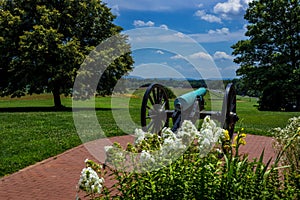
x: 209, y: 135
x: 146, y: 157
x: 139, y: 135
x: 205, y: 144
x: 167, y: 132
x: 172, y: 146
x: 107, y: 148
x: 188, y: 129
x: 89, y: 181
x: 168, y: 141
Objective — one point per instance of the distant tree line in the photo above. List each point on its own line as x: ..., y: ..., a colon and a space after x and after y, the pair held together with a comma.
x: 241, y: 89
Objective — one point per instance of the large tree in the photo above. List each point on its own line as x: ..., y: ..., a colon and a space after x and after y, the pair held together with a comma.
x: 44, y: 42
x: 269, y: 60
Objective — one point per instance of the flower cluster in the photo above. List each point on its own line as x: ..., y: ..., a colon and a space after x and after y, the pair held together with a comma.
x: 239, y: 139
x: 114, y: 154
x: 146, y: 157
x: 90, y: 182
x: 153, y: 151
x: 292, y: 127
x: 209, y: 135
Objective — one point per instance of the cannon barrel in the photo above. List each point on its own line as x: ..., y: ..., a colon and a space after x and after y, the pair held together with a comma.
x: 185, y: 101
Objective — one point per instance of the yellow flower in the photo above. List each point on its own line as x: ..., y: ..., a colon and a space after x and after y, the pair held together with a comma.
x: 242, y: 141
x: 239, y: 140
x: 226, y: 135
x: 226, y: 147
x: 235, y: 139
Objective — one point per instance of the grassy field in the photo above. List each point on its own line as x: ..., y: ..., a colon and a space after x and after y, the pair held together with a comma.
x: 31, y: 130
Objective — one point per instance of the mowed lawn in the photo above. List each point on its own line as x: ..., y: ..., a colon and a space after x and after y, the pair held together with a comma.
x: 31, y: 130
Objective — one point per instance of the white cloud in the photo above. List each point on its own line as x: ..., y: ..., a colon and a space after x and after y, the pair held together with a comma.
x: 177, y: 57
x: 222, y: 55
x: 229, y: 7
x: 221, y: 31
x: 208, y: 17
x: 247, y: 1
x: 200, y: 55
x: 200, y: 5
x: 219, y: 35
x: 163, y: 26
x: 140, y: 23
x: 115, y: 10
x: 160, y: 52
x: 180, y: 35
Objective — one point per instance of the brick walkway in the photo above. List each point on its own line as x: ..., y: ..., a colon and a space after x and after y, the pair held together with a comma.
x: 56, y: 178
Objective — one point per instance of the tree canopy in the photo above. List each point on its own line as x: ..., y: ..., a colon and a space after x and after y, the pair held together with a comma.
x: 269, y: 59
x: 43, y: 43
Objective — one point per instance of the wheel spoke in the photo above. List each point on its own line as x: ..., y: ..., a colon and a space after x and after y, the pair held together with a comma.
x: 163, y: 105
x: 150, y: 125
x: 233, y: 107
x: 157, y: 126
x: 154, y: 96
x: 151, y: 100
x: 152, y: 116
x: 161, y: 98
x: 158, y: 96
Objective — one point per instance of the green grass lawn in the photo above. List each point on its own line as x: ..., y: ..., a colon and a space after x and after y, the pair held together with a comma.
x: 32, y: 131
x: 259, y: 122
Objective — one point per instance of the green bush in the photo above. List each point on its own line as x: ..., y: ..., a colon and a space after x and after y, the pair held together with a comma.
x: 190, y: 165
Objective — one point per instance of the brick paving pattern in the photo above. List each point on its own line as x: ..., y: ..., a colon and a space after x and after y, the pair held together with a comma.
x: 56, y: 178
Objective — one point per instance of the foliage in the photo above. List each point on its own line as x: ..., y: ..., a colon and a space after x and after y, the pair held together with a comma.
x: 270, y: 58
x: 290, y: 134
x: 43, y: 43
x: 192, y: 175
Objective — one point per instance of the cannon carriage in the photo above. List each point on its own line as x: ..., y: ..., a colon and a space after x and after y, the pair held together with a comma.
x: 156, y: 112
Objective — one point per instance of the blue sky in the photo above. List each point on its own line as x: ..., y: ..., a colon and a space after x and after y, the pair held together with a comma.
x: 215, y: 25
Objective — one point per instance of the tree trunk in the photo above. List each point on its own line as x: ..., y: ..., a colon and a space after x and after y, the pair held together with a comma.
x: 56, y: 97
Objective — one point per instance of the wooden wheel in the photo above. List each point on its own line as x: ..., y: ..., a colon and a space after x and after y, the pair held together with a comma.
x: 229, y: 109
x: 153, y: 111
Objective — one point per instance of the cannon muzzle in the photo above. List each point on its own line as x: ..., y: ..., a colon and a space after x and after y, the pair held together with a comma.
x: 187, y: 100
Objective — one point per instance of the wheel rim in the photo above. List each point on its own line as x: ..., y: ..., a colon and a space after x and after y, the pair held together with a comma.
x: 229, y: 109
x: 153, y: 111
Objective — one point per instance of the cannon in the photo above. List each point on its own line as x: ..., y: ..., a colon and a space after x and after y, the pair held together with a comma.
x: 156, y: 113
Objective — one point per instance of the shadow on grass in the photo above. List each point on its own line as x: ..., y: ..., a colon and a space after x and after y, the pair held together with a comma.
x: 52, y: 109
